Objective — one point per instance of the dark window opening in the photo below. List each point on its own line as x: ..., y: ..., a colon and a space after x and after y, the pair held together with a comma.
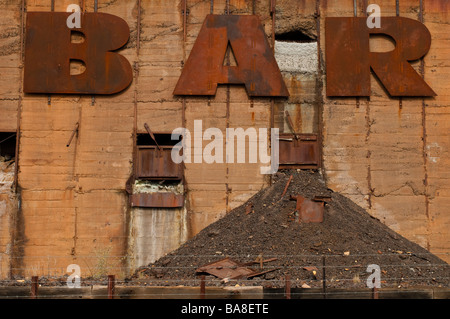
x: 295, y: 36
x: 7, y: 161
x: 7, y: 145
x: 157, y: 180
x: 163, y: 139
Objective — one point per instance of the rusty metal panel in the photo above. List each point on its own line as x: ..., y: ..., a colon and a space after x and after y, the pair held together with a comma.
x: 299, y: 150
x: 413, y: 41
x: 309, y: 211
x: 157, y: 200
x: 349, y: 60
x: 347, y: 57
x: 153, y: 163
x: 256, y: 66
x: 49, y: 50
x: 226, y: 268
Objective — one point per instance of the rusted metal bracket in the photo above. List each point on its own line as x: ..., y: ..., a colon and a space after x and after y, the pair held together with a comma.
x: 272, y: 6
x: 286, y: 187
x: 291, y: 124
x: 260, y: 261
x: 185, y: 13
x: 75, y: 131
x: 153, y: 138
x: 52, y: 9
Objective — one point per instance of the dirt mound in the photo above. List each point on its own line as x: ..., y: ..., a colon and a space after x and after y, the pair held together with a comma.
x: 348, y: 240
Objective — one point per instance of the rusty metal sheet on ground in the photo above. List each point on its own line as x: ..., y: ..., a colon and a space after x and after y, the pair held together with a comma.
x: 309, y: 211
x: 226, y: 268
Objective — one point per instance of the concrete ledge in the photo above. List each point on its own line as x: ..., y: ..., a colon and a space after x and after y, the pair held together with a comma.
x: 258, y: 292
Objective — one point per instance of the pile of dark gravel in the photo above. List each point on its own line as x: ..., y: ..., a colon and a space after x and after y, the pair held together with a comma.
x: 347, y: 241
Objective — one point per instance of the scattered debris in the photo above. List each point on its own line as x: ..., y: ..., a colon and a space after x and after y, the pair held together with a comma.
x: 346, y: 227
x: 249, y: 209
x: 305, y: 286
x: 286, y: 188
x: 229, y: 269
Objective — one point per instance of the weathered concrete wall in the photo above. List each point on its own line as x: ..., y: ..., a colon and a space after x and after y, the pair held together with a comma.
x: 8, y: 210
x: 74, y: 207
x: 389, y: 159
x: 387, y: 154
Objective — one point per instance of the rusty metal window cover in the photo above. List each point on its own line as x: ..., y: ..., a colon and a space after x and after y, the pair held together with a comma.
x: 154, y: 162
x: 49, y: 50
x: 256, y: 66
x: 155, y: 169
x: 299, y: 151
x: 157, y: 200
x: 349, y: 60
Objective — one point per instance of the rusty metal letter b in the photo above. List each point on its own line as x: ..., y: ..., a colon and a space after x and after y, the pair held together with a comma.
x: 49, y: 50
x: 256, y: 66
x: 349, y: 60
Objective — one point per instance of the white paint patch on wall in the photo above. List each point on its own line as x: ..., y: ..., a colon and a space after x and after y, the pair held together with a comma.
x: 7, y: 169
x: 296, y: 57
x: 156, y: 232
x: 434, y: 151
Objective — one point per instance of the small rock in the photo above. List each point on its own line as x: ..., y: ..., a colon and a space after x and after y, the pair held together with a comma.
x: 306, y: 286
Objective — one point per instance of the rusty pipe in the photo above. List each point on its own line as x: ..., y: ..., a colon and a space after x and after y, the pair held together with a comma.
x: 291, y: 124
x: 73, y: 134
x: 152, y: 136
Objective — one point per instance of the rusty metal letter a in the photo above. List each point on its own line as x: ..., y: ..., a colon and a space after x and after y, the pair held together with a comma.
x: 256, y: 66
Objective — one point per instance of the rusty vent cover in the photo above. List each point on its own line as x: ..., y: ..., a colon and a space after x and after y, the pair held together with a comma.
x: 156, y: 164
x: 299, y: 151
x: 157, y: 200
